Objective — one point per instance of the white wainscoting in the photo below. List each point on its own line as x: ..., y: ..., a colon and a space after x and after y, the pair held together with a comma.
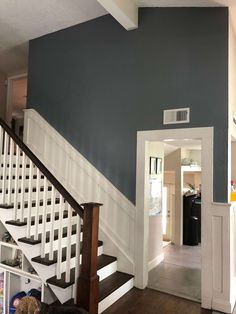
x: 223, y: 257
x: 86, y: 184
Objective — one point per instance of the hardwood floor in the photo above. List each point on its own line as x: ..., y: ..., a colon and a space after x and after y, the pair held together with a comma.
x: 149, y: 301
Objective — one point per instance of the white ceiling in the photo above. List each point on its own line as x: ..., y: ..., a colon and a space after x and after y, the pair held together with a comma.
x: 22, y: 20
x: 170, y: 146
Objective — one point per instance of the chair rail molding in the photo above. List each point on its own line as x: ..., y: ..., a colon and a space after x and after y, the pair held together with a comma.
x: 85, y: 182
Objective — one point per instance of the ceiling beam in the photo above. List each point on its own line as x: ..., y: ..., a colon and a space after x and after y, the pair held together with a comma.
x: 125, y: 12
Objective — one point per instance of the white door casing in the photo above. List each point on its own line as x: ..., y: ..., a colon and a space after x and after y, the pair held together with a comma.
x: 142, y: 218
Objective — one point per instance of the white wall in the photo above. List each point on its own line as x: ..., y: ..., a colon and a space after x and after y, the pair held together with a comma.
x: 155, y: 149
x: 232, y: 78
x: 195, y: 155
x: 3, y: 93
x: 173, y: 163
x: 233, y: 158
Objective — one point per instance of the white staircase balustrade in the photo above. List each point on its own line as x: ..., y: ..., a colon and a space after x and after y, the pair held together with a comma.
x: 58, y: 236
x: 41, y: 224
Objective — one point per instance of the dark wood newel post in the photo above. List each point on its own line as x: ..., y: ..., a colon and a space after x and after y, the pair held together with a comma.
x: 87, y: 292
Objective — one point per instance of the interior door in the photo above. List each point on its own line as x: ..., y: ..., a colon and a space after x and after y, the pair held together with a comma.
x: 167, y: 218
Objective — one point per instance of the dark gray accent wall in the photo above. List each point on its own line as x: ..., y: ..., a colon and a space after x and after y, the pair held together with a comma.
x: 98, y: 84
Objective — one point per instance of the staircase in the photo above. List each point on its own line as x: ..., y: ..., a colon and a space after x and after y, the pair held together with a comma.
x: 56, y: 234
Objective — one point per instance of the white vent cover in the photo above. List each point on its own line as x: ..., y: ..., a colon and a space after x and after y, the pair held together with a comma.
x: 173, y: 116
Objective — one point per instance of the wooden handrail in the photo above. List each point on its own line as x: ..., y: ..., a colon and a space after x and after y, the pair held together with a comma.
x: 66, y: 195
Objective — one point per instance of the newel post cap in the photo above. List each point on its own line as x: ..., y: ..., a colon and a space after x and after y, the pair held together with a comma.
x: 91, y: 204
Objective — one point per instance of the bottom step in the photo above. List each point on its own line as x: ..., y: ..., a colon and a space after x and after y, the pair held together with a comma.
x: 112, y: 288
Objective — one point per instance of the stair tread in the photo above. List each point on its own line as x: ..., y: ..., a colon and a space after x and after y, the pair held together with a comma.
x: 33, y: 204
x: 30, y: 240
x: 112, y: 283
x: 47, y: 262
x: 64, y: 234
x: 102, y: 261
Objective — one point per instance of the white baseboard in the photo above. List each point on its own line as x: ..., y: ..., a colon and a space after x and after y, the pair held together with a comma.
x: 206, y: 303
x: 222, y: 306
x: 156, y: 261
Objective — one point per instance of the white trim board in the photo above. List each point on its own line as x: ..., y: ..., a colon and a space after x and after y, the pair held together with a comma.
x: 156, y: 261
x: 211, y: 269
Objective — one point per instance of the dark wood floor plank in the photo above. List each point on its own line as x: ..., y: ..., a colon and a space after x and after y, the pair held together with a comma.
x: 149, y: 301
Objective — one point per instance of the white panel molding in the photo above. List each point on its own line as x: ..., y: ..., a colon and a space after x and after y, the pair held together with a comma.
x: 221, y: 257
x: 125, y: 12
x: 85, y: 183
x: 156, y: 261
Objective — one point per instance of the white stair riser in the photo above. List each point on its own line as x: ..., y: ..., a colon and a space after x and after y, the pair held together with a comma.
x: 107, y: 270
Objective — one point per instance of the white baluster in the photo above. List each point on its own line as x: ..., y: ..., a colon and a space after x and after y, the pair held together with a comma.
x: 43, y: 240
x: 22, y: 203
x: 6, y: 140
x: 68, y: 249
x: 11, y: 152
x: 37, y: 203
x: 60, y: 234
x: 52, y: 215
x: 16, y: 182
x: 29, y: 198
x: 77, y: 256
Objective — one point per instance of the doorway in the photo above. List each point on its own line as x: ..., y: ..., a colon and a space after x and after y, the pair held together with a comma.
x: 16, y: 102
x: 205, y: 135
x: 178, y: 269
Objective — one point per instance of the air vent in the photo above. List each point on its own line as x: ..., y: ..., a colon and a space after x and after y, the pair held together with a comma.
x: 173, y: 116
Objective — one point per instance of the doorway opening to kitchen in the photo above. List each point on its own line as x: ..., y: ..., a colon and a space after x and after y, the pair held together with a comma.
x: 146, y: 219
x: 175, y: 217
